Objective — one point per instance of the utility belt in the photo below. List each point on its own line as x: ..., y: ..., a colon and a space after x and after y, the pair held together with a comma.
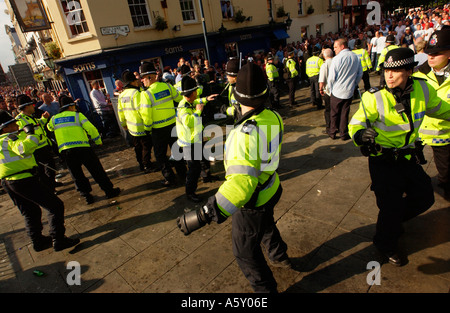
x: 399, y: 155
x: 33, y: 171
x: 251, y: 204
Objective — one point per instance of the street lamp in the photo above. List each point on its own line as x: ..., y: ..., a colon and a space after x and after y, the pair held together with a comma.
x: 288, y: 21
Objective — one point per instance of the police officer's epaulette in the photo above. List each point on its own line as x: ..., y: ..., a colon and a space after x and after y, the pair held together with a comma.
x: 248, y: 126
x: 374, y: 89
x: 418, y: 78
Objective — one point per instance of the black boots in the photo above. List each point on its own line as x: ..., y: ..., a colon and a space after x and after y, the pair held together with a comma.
x: 64, y: 242
x: 42, y: 243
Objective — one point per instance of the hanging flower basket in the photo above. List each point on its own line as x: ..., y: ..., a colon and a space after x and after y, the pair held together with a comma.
x: 160, y: 23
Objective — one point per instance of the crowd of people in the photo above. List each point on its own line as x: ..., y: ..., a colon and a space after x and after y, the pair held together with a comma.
x: 406, y: 107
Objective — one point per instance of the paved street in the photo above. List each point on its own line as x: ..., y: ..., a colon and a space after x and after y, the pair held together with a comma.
x: 326, y: 215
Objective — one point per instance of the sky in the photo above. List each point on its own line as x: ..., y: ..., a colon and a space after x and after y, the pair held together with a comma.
x: 6, y: 54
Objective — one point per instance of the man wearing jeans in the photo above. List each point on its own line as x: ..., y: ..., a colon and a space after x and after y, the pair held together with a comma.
x: 343, y: 77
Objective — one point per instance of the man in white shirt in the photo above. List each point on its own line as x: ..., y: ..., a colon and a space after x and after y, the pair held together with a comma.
x: 323, y: 88
x: 381, y: 44
x: 400, y: 30
x: 104, y: 110
x: 373, y: 48
x: 419, y: 34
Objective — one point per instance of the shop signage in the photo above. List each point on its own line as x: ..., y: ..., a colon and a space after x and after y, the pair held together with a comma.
x: 172, y: 50
x: 112, y: 30
x: 78, y: 68
x: 246, y: 36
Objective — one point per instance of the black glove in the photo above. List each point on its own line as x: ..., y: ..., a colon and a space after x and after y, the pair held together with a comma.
x: 368, y: 135
x: 193, y: 220
x: 28, y: 129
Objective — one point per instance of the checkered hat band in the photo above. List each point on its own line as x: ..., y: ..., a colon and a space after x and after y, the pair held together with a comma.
x: 399, y: 63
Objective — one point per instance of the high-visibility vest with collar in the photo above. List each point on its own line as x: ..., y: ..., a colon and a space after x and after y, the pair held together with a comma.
x: 156, y: 102
x: 72, y: 130
x: 189, y: 122
x: 433, y: 131
x: 290, y: 64
x: 392, y: 127
x: 251, y: 158
x: 383, y: 55
x: 16, y: 155
x: 272, y: 72
x: 363, y: 55
x: 128, y: 112
x: 23, y: 119
x: 313, y: 65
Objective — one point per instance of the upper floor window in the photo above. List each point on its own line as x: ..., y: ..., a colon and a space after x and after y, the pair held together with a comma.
x: 300, y: 7
x: 227, y: 9
x: 74, y: 17
x: 139, y: 13
x: 188, y: 10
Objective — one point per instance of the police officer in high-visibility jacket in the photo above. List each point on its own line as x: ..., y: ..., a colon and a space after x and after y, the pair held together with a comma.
x: 252, y: 187
x: 313, y: 65
x: 190, y: 136
x: 390, y: 45
x: 366, y: 63
x: 291, y: 81
x: 44, y: 153
x: 231, y: 70
x: 157, y: 109
x: 72, y: 129
x: 273, y: 80
x: 435, y: 132
x: 386, y: 126
x: 186, y: 71
x: 29, y: 194
x: 130, y: 118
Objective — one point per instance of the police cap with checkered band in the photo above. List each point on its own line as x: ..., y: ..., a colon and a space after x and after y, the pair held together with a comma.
x: 399, y: 58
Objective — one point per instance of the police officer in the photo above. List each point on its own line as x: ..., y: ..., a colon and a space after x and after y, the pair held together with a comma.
x: 252, y: 187
x: 313, y: 65
x: 435, y: 132
x: 131, y: 120
x: 291, y: 80
x: 71, y: 131
x: 44, y: 153
x: 366, y: 63
x: 190, y: 136
x: 273, y: 82
x: 231, y: 70
x: 29, y: 194
x: 386, y: 126
x: 390, y: 44
x: 158, y: 114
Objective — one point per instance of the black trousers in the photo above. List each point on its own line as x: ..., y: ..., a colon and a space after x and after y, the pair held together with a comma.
x: 46, y: 164
x: 162, y: 139
x: 366, y: 80
x: 143, y: 149
x: 327, y: 112
x: 250, y: 228
x: 197, y: 166
x: 339, y: 114
x: 316, y: 98
x: 441, y: 156
x: 292, y: 84
x: 75, y: 158
x: 391, y: 180
x: 109, y: 123
x: 274, y: 90
x: 29, y: 195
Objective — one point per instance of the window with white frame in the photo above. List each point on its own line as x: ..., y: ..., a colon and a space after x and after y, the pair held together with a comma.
x: 300, y: 7
x: 75, y: 18
x: 188, y: 11
x: 139, y: 13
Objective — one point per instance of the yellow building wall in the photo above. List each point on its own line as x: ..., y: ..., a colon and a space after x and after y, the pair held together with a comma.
x: 107, y: 13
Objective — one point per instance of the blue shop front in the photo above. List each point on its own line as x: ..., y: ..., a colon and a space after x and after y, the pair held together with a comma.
x: 106, y: 66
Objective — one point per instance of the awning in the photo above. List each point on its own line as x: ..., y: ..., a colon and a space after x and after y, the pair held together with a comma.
x: 280, y: 34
